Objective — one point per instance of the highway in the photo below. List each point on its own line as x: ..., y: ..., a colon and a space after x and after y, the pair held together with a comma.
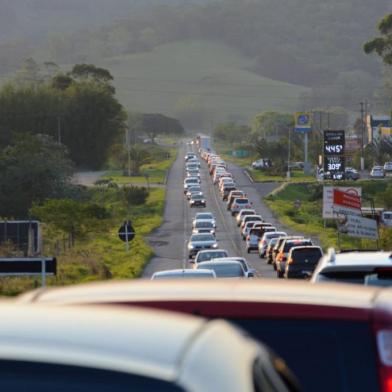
x: 170, y: 240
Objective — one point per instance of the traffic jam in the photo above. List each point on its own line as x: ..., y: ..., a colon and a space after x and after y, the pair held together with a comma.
x: 289, y: 256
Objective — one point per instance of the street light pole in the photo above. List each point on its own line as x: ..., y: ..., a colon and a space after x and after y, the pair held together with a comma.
x: 363, y: 137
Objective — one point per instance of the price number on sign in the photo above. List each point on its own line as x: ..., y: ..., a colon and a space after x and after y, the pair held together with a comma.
x: 334, y: 149
x: 334, y: 166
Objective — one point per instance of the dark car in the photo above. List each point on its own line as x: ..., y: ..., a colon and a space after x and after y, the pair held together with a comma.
x: 197, y: 200
x: 351, y: 174
x: 226, y: 191
x: 334, y: 337
x: 284, y: 249
x: 302, y: 261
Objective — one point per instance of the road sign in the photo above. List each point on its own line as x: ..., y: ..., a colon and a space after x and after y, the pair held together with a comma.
x: 360, y: 227
x: 303, y: 122
x: 24, y: 234
x: 28, y: 266
x: 334, y: 149
x: 346, y: 202
x: 126, y: 232
x: 328, y: 211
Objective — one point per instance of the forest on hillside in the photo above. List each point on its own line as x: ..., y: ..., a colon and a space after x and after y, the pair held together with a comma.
x: 315, y: 43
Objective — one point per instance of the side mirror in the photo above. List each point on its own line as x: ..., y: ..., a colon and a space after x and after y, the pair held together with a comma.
x: 191, y: 261
x: 250, y: 274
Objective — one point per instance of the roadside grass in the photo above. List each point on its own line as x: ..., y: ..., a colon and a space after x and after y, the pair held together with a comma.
x: 151, y: 173
x: 100, y: 255
x: 296, y: 176
x: 308, y: 219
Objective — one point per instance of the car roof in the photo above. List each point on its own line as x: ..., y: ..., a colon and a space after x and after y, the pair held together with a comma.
x: 219, y: 262
x: 42, y: 334
x: 355, y: 260
x: 262, y: 291
x: 182, y: 272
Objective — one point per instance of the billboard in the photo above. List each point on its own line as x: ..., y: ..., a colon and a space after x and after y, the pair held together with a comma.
x: 328, y: 192
x: 359, y: 227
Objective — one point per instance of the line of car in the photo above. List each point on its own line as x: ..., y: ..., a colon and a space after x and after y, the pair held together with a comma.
x: 333, y: 337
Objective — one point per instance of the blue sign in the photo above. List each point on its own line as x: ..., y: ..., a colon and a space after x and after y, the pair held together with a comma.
x: 303, y: 122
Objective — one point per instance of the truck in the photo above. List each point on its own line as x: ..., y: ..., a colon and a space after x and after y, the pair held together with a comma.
x: 382, y: 216
x: 204, y: 142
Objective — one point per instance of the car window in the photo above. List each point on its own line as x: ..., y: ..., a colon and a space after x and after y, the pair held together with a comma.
x: 203, y: 224
x: 324, y: 355
x: 18, y: 376
x: 309, y: 255
x: 356, y: 277
x: 290, y: 244
x: 202, y: 237
x: 226, y: 270
x: 242, y: 201
x: 205, y: 256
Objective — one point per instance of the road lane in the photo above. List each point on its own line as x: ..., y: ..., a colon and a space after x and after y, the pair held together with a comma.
x: 169, y: 241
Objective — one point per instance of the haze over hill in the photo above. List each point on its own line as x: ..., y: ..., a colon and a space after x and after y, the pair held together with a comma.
x: 310, y: 43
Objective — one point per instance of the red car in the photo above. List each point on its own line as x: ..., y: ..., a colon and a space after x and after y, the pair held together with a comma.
x: 333, y: 337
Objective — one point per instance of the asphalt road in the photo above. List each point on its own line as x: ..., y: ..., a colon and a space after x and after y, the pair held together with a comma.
x: 170, y: 240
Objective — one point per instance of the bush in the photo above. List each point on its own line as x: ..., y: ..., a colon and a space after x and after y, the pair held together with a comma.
x: 134, y: 195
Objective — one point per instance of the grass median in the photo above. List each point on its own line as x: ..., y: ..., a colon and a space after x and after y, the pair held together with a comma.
x: 100, y: 254
x: 305, y: 216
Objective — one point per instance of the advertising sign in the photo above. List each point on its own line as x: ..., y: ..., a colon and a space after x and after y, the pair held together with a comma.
x: 334, y: 149
x: 347, y: 203
x: 328, y: 192
x: 359, y: 227
x: 303, y: 122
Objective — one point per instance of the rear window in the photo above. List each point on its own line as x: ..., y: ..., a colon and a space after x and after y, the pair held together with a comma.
x: 324, y: 355
x: 226, y: 270
x: 242, y: 201
x: 303, y: 255
x: 368, y: 278
x: 205, y: 256
x: 290, y: 244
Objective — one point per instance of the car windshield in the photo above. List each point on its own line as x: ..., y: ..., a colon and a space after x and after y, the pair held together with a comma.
x: 242, y: 201
x: 197, y: 196
x: 191, y: 181
x: 200, y: 224
x: 232, y: 270
x: 204, y: 216
x: 202, y: 238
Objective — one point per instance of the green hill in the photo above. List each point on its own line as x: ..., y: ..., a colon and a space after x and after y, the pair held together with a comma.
x: 209, y: 75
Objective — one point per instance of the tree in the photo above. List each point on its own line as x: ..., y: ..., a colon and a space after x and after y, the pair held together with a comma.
x: 72, y: 217
x: 382, y: 45
x: 272, y: 125
x: 33, y: 169
x: 154, y: 124
x: 138, y: 156
x: 232, y: 133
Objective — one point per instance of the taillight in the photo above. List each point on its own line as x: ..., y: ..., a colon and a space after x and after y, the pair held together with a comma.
x: 248, y: 237
x: 384, y: 348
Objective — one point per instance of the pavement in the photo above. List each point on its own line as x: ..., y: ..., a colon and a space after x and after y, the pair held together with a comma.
x: 170, y: 240
x: 87, y: 178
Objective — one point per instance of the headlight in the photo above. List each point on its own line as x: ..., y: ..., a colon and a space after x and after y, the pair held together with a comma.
x: 215, y: 245
x: 190, y: 246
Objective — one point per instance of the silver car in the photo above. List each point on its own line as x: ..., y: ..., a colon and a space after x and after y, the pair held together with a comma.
x: 266, y: 238
x: 203, y: 226
x: 377, y: 172
x: 226, y: 268
x: 199, y: 242
x: 204, y: 216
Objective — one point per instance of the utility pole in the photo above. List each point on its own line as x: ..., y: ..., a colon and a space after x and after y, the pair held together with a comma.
x: 363, y: 136
x: 289, y: 153
x: 58, y: 130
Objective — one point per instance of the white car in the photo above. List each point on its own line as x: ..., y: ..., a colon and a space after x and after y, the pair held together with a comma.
x: 377, y: 172
x: 364, y: 268
x: 206, y: 255
x: 242, y: 213
x: 239, y: 204
x: 266, y: 238
x: 94, y: 348
x: 190, y: 181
